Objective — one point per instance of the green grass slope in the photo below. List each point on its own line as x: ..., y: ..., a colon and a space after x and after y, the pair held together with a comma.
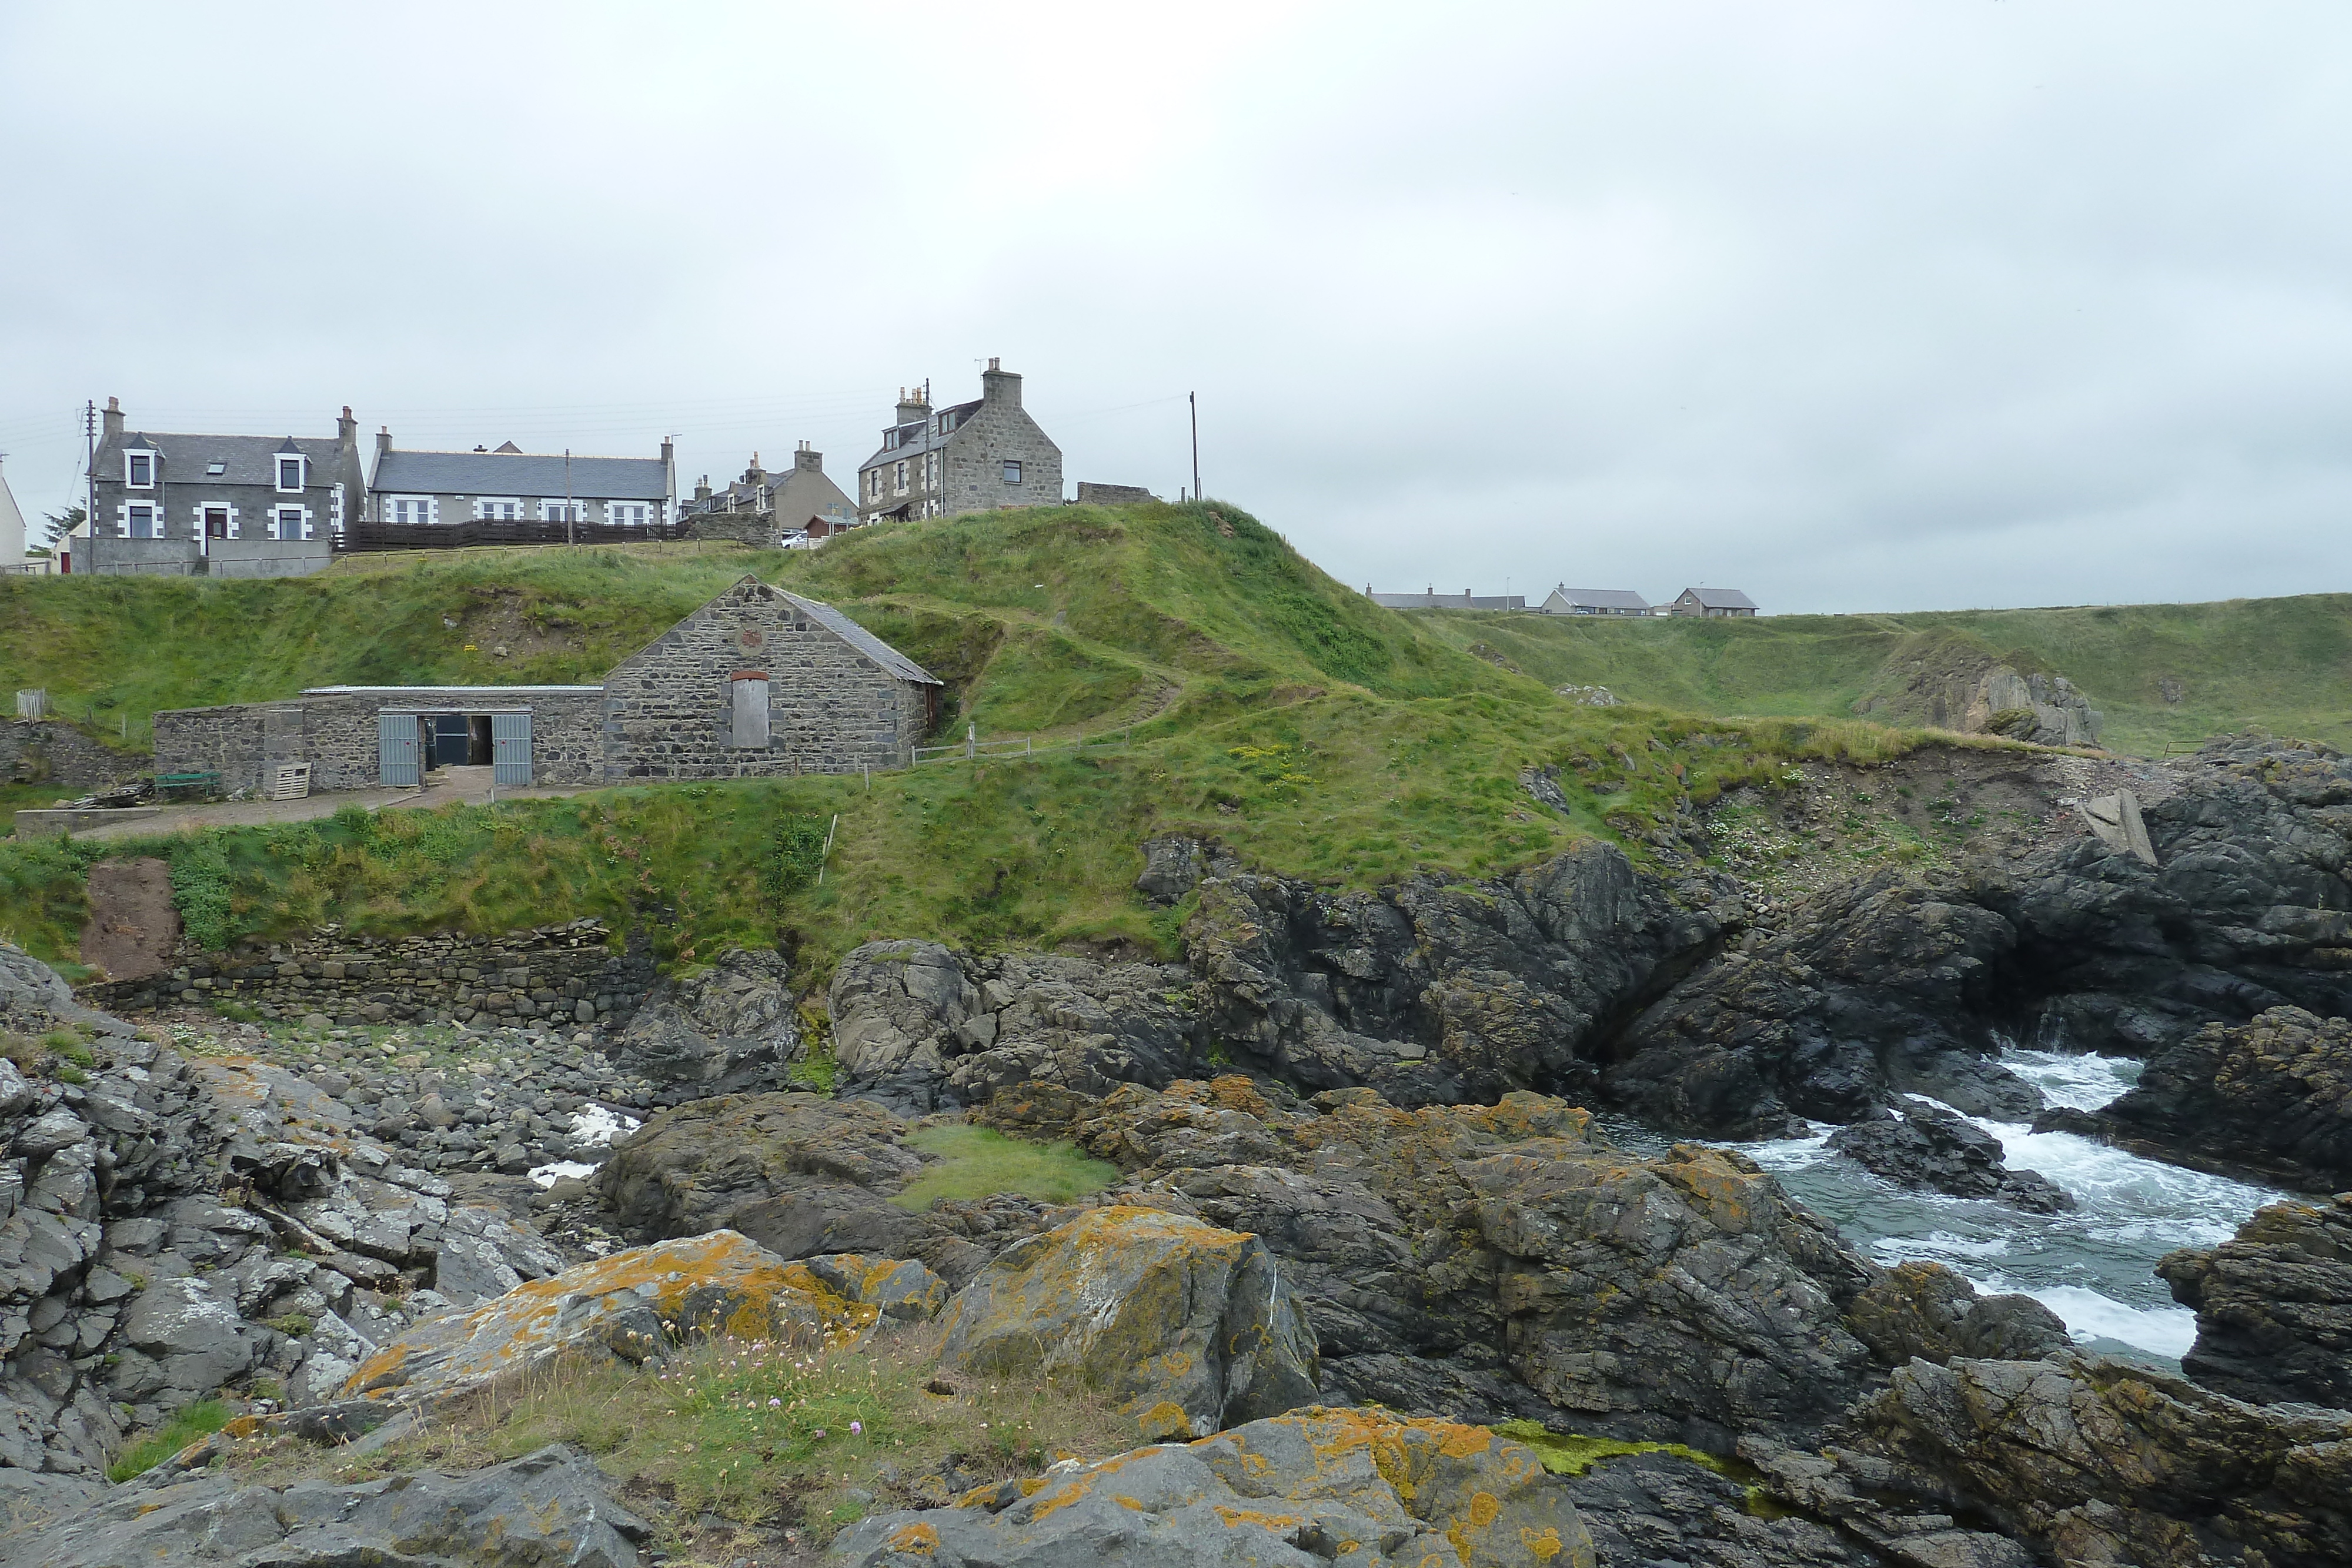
x: 1265, y: 705
x: 2160, y: 673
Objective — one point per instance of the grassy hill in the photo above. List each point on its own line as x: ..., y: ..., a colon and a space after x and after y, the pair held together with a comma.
x: 1265, y: 703
x: 2160, y: 673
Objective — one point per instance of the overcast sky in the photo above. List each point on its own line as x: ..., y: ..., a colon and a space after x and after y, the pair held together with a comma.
x: 1881, y: 306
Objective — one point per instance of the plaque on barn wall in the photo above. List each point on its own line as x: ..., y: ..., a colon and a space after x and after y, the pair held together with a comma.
x: 752, y: 637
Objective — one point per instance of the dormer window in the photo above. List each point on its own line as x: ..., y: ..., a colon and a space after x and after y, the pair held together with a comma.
x: 139, y: 469
x: 289, y: 472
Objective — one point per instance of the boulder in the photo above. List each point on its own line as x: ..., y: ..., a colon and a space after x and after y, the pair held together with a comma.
x: 1925, y: 1310
x: 197, y: 1339
x: 2273, y: 1095
x: 551, y: 1507
x: 1932, y: 1146
x: 732, y: 1029
x: 893, y: 1005
x: 630, y: 1306
x: 1355, y: 1486
x: 2273, y: 1305
x: 899, y: 1288
x: 483, y: 1253
x: 2087, y: 1459
x: 1192, y: 1327
x: 1176, y: 864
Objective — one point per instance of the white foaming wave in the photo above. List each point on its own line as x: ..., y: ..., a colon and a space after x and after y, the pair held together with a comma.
x: 2083, y: 1083
x: 1790, y: 1154
x: 2113, y: 1185
x: 1934, y: 1246
x: 549, y: 1174
x: 600, y: 1125
x: 2088, y: 1315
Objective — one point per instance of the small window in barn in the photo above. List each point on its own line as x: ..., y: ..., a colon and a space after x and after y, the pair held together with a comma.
x: 748, y: 709
x: 1012, y: 471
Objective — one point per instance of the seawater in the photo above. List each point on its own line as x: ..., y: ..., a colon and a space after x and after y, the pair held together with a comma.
x: 2093, y: 1266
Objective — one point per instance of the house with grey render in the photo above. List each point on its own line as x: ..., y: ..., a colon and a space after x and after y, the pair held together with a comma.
x: 436, y: 497
x: 1566, y: 600
x: 974, y: 457
x: 766, y: 508
x: 1715, y: 603
x: 218, y: 506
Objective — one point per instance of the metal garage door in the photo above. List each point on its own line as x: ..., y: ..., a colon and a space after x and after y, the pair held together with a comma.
x: 397, y: 750
x: 510, y: 748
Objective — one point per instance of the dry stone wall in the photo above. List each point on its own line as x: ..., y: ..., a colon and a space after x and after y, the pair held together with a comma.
x: 563, y: 975
x: 45, y: 751
x: 335, y: 732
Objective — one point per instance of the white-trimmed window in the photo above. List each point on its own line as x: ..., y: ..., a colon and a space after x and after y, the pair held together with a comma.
x: 139, y: 521
x: 290, y: 522
x: 214, y: 521
x: 498, y: 509
x: 139, y: 468
x: 629, y: 514
x: 874, y: 484
x: 899, y: 478
x: 1013, y: 470
x: 293, y: 472
x: 411, y: 509
x: 562, y: 512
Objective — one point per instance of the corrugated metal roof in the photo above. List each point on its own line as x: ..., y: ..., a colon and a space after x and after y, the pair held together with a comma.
x: 519, y: 474
x: 865, y: 642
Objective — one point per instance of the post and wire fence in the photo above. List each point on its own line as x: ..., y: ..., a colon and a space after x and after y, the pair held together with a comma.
x: 972, y: 748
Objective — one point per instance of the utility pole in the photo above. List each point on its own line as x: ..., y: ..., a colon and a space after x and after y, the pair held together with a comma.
x: 1193, y: 399
x: 89, y: 482
x: 570, y: 536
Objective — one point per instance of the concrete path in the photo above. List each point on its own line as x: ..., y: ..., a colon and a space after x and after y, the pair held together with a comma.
x: 443, y: 787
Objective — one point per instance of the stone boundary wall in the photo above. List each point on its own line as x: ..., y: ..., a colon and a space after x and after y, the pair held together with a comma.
x: 565, y: 975
x: 50, y: 752
x: 758, y: 529
x: 335, y: 732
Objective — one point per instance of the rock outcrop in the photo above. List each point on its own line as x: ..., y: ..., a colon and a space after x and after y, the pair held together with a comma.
x: 1934, y: 1147
x: 732, y: 1029
x: 1321, y: 1485
x: 919, y: 1029
x: 1954, y: 680
x: 2274, y: 1094
x: 2274, y: 1306
x: 804, y: 1177
x: 1192, y: 1327
x: 2088, y: 1460
x: 551, y: 1507
x: 1924, y: 1310
x: 1502, y: 1260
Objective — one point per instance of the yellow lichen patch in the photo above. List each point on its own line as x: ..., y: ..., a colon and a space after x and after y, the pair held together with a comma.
x: 1462, y: 1442
x: 1164, y: 1420
x: 1276, y: 1523
x: 920, y: 1538
x: 1485, y: 1508
x: 242, y: 1426
x: 1541, y: 1544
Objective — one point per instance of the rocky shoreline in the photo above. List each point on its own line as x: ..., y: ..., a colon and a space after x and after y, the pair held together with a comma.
x: 1355, y: 1206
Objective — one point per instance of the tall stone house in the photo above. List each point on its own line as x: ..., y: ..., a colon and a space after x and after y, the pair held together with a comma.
x: 415, y: 488
x: 218, y: 506
x: 974, y: 457
x: 767, y: 509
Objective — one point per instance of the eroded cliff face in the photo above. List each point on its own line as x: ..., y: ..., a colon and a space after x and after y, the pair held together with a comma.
x: 1952, y: 681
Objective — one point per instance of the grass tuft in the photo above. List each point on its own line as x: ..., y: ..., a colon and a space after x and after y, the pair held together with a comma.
x: 201, y: 1419
x: 974, y: 1162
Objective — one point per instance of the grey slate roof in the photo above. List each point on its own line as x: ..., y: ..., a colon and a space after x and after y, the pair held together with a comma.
x: 1466, y: 600
x: 927, y: 436
x: 518, y: 474
x: 1720, y: 598
x: 245, y: 459
x: 1599, y: 598
x: 859, y: 638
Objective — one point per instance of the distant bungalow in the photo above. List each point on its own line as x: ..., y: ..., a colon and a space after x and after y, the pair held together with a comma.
x: 1430, y: 598
x: 1566, y: 600
x: 1713, y: 602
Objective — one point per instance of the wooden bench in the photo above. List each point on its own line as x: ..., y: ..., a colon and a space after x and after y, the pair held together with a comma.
x: 166, y: 783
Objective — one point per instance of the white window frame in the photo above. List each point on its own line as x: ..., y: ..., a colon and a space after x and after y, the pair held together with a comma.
x: 552, y: 509
x: 1012, y: 470
x: 629, y: 514
x: 277, y: 461
x: 390, y: 508
x: 302, y: 523
x: 154, y: 460
x: 483, y: 503
x: 122, y: 519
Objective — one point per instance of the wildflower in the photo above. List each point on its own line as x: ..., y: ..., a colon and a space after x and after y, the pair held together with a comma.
x: 857, y: 1428
x: 818, y: 1432
x: 775, y: 1404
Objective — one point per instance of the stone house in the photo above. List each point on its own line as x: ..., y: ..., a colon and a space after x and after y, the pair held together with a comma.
x: 764, y: 508
x: 218, y: 506
x: 756, y: 684
x: 509, y: 485
x: 760, y: 683
x: 974, y: 457
x: 1717, y: 603
x: 1430, y: 598
x: 1566, y: 600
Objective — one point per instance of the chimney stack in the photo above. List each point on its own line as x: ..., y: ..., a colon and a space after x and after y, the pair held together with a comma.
x: 347, y: 429
x: 808, y: 461
x: 702, y: 488
x: 912, y: 406
x: 1000, y: 386
x: 383, y: 442
x: 113, y: 417
x: 666, y: 449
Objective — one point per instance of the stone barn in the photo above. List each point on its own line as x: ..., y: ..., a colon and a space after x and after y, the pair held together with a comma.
x: 756, y: 684
x: 760, y: 683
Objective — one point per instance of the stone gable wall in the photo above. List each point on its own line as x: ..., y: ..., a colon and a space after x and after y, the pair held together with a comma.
x: 830, y: 709
x: 975, y: 461
x: 563, y: 975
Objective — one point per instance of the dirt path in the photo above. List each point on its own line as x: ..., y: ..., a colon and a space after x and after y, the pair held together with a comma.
x: 443, y: 786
